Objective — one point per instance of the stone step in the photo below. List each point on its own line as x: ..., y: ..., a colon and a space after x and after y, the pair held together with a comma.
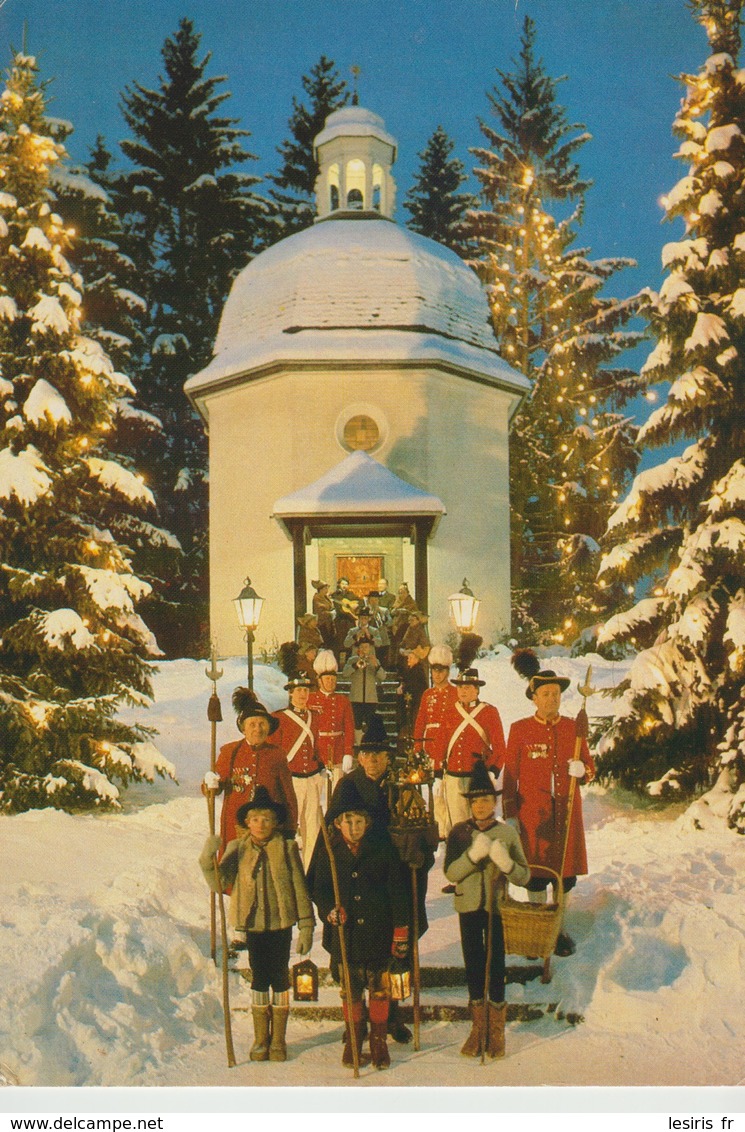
x: 443, y: 997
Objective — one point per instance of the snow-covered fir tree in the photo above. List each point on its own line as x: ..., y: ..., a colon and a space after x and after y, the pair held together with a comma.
x: 293, y: 195
x: 681, y: 719
x: 571, y: 448
x: 193, y: 221
x: 115, y: 315
x: 73, y: 648
x: 435, y: 202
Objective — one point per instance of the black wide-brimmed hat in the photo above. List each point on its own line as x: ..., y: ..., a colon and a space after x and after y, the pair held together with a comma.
x: 298, y: 681
x: 468, y: 676
x: 481, y: 784
x: 347, y: 799
x: 375, y: 737
x: 262, y: 800
x: 246, y: 705
x: 526, y: 664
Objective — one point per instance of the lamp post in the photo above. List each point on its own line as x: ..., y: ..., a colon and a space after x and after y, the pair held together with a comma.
x: 248, y: 606
x: 464, y: 608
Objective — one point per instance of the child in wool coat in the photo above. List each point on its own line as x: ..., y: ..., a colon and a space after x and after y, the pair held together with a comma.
x: 478, y: 853
x: 373, y: 913
x: 269, y: 895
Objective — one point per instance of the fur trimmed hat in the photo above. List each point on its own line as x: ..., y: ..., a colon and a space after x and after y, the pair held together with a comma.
x: 325, y: 663
x: 319, y: 585
x: 440, y: 654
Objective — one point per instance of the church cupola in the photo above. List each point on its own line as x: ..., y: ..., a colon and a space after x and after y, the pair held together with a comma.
x: 355, y: 154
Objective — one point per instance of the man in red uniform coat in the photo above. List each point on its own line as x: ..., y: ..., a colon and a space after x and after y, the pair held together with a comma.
x: 472, y: 730
x: 297, y: 737
x: 334, y: 721
x: 539, y: 766
x: 429, y: 730
x: 249, y: 763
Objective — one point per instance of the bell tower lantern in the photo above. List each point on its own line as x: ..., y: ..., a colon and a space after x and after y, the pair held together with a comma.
x: 355, y: 154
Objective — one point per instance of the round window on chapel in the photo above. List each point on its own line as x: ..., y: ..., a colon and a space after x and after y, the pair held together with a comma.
x: 361, y: 432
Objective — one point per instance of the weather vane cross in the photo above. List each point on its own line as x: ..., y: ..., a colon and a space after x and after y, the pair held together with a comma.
x: 356, y: 72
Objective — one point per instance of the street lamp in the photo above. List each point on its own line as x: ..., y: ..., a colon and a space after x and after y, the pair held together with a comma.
x: 464, y: 608
x: 248, y: 610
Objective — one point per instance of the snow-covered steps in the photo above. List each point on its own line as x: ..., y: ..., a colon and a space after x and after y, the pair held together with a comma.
x: 443, y: 998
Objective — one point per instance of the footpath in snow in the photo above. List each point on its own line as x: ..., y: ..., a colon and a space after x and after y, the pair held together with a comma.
x: 105, y: 975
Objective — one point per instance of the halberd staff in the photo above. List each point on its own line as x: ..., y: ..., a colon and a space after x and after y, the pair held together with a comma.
x: 541, y: 761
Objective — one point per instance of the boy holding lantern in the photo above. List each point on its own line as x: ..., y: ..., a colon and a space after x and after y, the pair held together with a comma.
x: 372, y: 912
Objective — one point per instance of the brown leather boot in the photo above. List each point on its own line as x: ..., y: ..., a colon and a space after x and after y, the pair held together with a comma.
x: 260, y: 1048
x: 472, y: 1047
x: 278, y: 1047
x: 356, y: 1024
x: 495, y: 1030
x: 381, y: 1058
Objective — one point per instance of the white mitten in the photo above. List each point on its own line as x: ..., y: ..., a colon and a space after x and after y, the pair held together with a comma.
x: 211, y: 845
x: 347, y: 764
x: 501, y: 857
x: 479, y: 848
x: 577, y: 768
x: 211, y: 780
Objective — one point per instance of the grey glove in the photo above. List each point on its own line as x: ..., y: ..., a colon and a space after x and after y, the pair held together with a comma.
x: 479, y: 848
x: 347, y: 764
x: 211, y: 845
x: 577, y: 768
x: 304, y: 939
x: 501, y: 856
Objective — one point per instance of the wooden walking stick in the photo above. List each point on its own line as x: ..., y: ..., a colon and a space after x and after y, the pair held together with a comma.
x: 214, y: 715
x: 415, y: 953
x: 489, y: 880
x: 342, y: 947
x: 224, y: 942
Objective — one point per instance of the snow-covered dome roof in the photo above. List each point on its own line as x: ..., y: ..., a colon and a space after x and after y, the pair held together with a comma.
x: 354, y: 122
x: 356, y: 287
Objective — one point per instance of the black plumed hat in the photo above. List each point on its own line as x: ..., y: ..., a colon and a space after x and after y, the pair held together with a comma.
x: 481, y: 784
x: 467, y: 650
x: 526, y: 664
x: 246, y: 705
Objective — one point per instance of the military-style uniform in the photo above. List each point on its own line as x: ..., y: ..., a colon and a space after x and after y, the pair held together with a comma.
x: 242, y: 768
x: 472, y: 732
x: 296, y: 735
x: 429, y: 727
x: 334, y: 727
x: 536, y: 791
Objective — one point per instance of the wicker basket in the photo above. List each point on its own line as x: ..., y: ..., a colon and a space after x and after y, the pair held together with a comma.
x: 532, y: 929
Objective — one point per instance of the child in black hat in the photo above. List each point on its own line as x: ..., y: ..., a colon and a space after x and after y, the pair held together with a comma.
x: 269, y: 896
x: 479, y: 853
x: 373, y: 914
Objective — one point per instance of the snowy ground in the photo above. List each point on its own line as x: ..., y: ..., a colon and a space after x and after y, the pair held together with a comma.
x: 105, y: 976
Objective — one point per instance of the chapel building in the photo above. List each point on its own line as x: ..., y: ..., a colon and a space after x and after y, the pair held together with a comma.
x: 358, y: 411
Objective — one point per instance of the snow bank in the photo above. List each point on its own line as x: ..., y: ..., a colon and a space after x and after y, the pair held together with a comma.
x: 105, y: 975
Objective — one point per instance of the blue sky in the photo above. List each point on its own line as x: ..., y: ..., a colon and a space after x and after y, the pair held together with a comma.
x: 423, y: 62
